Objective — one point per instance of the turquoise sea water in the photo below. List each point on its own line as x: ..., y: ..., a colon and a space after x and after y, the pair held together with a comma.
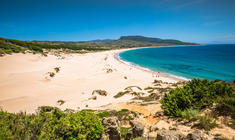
x: 206, y: 61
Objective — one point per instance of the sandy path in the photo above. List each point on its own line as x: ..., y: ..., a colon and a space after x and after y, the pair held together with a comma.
x: 24, y: 86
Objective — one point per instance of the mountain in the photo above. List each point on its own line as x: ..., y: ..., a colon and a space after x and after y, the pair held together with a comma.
x: 8, y: 46
x: 155, y: 40
x: 101, y: 40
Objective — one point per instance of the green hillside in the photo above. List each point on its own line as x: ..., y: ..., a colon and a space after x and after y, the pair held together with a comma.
x: 8, y: 46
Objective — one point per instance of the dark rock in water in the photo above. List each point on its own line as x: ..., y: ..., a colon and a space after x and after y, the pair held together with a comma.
x: 170, y: 135
x: 233, y: 81
x: 137, y: 128
x: 112, y: 126
x: 197, y: 135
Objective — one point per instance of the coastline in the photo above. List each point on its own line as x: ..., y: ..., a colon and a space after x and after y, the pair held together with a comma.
x: 160, y: 74
x: 25, y: 84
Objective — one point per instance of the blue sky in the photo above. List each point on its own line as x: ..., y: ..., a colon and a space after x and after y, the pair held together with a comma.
x: 202, y: 21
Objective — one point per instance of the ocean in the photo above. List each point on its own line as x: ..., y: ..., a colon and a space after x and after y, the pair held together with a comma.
x: 204, y: 61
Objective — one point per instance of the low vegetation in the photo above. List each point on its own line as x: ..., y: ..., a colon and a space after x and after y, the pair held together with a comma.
x: 123, y: 114
x: 190, y: 114
x: 60, y: 102
x: 57, y: 69
x: 196, y: 94
x: 190, y: 102
x: 124, y: 131
x: 129, y: 90
x: 51, y: 74
x: 226, y: 106
x: 8, y: 46
x: 207, y: 122
x: 100, y: 92
x: 50, y: 123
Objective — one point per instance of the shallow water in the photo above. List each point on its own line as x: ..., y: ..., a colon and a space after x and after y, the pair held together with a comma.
x: 206, y: 61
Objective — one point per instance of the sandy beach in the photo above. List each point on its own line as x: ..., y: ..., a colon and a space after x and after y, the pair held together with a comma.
x: 25, y: 83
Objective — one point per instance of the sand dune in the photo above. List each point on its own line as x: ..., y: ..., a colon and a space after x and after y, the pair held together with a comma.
x: 25, y: 83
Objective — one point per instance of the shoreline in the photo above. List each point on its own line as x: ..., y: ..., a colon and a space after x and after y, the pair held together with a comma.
x: 161, y: 74
x: 25, y: 84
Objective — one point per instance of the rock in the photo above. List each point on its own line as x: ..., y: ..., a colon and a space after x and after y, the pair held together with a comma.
x: 100, y: 92
x: 160, y: 125
x: 159, y: 114
x: 112, y: 126
x: 197, y: 135
x: 169, y: 135
x: 137, y: 128
x: 219, y: 138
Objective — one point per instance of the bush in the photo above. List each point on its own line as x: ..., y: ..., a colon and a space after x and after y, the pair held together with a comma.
x: 50, y: 123
x: 103, y: 114
x: 124, y: 130
x: 226, y: 106
x: 190, y: 114
x: 51, y: 74
x: 57, y: 69
x: 207, y: 122
x: 196, y: 94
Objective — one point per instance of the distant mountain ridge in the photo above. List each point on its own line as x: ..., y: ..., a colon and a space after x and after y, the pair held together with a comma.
x: 8, y: 46
x: 154, y: 40
x: 144, y: 40
x: 102, y: 40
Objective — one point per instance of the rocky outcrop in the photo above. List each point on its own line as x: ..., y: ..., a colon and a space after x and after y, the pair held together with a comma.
x: 112, y: 126
x: 159, y: 114
x: 170, y: 135
x: 160, y: 125
x: 137, y: 128
x: 198, y: 135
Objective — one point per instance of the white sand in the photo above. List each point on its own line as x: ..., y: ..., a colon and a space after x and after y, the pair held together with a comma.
x: 25, y: 84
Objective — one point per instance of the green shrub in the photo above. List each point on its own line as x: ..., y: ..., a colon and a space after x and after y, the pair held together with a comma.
x: 207, y: 122
x: 226, y: 106
x: 103, y: 114
x: 1, y: 51
x: 51, y: 74
x: 57, y: 69
x: 50, y: 123
x: 124, y: 131
x: 196, y: 94
x: 190, y: 114
x: 60, y: 102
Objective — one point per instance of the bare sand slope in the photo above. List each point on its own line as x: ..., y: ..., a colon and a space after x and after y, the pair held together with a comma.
x: 25, y: 83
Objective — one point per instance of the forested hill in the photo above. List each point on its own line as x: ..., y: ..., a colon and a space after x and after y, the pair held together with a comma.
x: 8, y: 46
x: 155, y: 40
